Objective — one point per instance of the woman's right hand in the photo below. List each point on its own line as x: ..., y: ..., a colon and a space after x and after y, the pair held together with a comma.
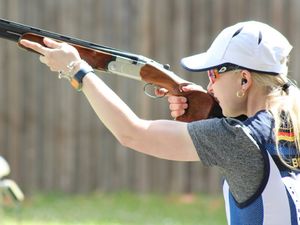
x: 178, y: 104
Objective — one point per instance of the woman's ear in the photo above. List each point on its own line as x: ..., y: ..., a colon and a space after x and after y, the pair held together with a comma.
x: 246, y: 79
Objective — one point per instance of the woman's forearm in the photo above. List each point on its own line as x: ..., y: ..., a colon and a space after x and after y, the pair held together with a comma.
x: 111, y: 110
x: 161, y: 138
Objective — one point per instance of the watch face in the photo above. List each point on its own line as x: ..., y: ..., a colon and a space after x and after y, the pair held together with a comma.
x: 76, y: 84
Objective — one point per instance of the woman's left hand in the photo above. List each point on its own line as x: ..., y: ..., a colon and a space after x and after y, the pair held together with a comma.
x: 56, y: 55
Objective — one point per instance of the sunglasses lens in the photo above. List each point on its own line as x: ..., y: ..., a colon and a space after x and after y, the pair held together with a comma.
x: 211, y: 76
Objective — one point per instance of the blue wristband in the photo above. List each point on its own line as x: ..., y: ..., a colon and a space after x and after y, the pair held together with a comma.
x: 76, y: 80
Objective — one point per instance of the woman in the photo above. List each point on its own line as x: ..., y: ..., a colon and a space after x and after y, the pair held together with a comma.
x: 258, y: 157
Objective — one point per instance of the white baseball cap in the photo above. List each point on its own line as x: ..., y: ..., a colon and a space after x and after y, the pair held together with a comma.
x: 251, y: 45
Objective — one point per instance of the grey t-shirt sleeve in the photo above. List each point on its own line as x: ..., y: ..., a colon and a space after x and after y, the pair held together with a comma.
x: 225, y: 143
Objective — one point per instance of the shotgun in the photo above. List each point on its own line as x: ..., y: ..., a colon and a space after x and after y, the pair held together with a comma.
x: 201, y: 104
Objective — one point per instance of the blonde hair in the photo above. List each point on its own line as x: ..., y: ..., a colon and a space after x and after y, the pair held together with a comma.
x: 284, y: 106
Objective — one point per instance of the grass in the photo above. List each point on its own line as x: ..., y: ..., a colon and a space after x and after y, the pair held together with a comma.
x: 116, y: 209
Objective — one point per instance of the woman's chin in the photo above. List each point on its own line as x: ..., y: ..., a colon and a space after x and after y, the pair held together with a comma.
x: 227, y: 113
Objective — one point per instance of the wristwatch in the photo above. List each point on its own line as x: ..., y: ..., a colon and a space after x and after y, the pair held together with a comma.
x: 76, y: 80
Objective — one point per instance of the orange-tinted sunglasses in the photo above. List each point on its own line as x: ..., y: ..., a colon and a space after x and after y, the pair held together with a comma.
x: 213, y: 74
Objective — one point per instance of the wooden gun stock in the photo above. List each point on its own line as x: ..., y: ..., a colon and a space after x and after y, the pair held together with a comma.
x: 201, y: 104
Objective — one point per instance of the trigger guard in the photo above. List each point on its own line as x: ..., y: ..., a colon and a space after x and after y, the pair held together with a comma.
x: 152, y: 96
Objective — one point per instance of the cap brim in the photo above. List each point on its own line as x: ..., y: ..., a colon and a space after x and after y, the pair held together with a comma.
x: 198, y: 63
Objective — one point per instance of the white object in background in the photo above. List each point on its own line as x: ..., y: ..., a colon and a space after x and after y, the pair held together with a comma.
x: 4, y: 167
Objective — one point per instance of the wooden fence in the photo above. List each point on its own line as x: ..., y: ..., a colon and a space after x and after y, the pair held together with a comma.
x: 50, y: 135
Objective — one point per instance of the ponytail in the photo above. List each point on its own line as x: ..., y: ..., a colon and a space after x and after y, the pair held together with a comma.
x: 283, y: 101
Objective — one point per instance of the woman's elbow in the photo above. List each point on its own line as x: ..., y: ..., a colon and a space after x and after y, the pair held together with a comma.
x: 125, y: 140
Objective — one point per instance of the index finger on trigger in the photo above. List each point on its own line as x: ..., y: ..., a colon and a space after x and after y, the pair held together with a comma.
x: 160, y: 92
x: 34, y: 46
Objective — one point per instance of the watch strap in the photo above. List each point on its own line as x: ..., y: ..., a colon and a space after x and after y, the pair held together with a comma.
x: 76, y: 80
